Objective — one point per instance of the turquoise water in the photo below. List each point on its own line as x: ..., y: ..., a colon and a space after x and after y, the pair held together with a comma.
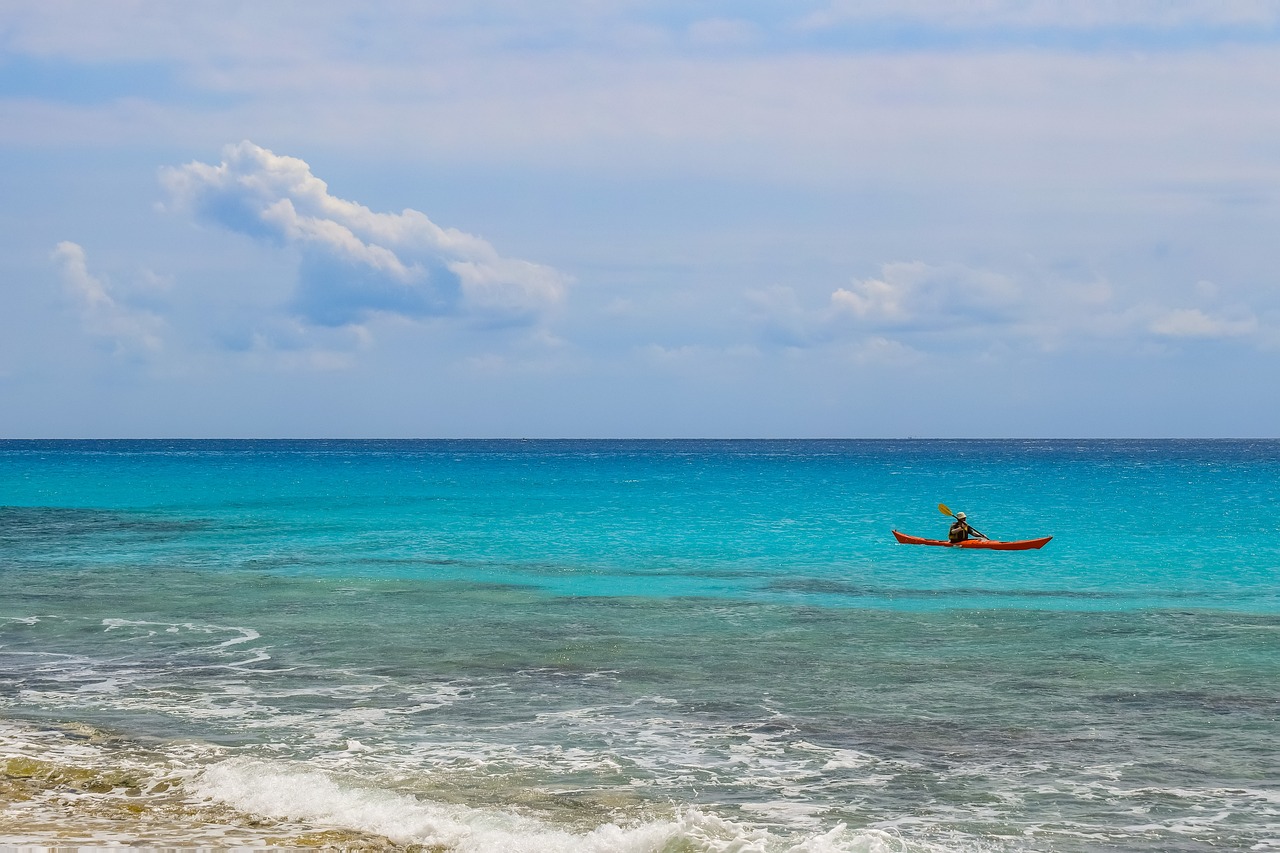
x: 650, y: 646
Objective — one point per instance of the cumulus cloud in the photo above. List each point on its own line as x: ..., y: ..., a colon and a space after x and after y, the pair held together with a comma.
x: 104, y: 315
x: 356, y: 262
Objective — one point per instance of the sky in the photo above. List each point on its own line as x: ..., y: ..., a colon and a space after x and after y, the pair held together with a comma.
x: 577, y: 218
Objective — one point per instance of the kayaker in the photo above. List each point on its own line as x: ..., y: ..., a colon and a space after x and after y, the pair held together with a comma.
x: 960, y: 531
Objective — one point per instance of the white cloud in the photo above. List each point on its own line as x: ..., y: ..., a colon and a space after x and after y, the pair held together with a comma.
x: 1074, y: 15
x: 356, y: 262
x: 447, y: 88
x: 1195, y: 323
x: 919, y: 294
x: 913, y: 308
x: 897, y: 317
x: 881, y: 351
x: 870, y: 298
x: 104, y: 316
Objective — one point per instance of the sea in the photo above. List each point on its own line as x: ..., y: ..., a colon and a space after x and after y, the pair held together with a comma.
x: 641, y: 646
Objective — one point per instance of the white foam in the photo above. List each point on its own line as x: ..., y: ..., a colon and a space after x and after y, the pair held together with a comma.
x: 29, y: 620
x: 285, y: 792
x: 243, y: 635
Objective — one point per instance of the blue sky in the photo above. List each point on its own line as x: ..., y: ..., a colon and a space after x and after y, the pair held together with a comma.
x: 573, y: 218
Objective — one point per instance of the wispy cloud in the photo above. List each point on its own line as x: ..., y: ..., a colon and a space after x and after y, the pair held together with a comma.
x: 128, y: 328
x: 1076, y: 15
x: 913, y: 308
x: 908, y: 299
x: 355, y: 262
x: 1196, y: 323
x: 916, y: 294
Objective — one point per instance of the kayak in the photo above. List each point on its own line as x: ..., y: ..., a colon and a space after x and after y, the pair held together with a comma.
x: 985, y: 544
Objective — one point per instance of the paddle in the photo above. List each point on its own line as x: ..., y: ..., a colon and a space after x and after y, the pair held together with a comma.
x: 945, y: 510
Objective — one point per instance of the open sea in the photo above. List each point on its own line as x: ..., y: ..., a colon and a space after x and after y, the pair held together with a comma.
x: 643, y: 646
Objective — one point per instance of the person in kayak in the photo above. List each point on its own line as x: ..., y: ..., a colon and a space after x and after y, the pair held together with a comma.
x: 960, y: 531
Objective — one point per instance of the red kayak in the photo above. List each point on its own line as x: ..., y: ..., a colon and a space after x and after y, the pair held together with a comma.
x: 987, y: 544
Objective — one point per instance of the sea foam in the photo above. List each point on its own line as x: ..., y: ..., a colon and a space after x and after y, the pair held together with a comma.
x: 283, y: 792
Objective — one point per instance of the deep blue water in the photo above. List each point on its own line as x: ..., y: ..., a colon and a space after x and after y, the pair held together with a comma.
x: 641, y: 645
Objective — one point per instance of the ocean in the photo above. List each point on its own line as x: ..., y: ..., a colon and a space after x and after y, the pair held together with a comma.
x: 673, y: 646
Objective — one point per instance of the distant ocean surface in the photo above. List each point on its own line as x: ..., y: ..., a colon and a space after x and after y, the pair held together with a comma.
x: 646, y: 646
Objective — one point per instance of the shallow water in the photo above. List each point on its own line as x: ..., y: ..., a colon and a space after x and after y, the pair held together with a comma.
x: 639, y: 645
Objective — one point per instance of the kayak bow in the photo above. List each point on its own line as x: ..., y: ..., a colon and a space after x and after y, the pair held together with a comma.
x: 985, y: 544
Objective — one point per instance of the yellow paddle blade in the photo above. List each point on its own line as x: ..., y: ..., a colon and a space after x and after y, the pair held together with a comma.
x: 942, y: 508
